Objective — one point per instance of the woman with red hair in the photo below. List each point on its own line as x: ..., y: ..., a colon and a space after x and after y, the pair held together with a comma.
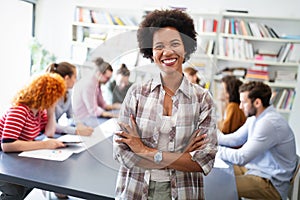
x: 31, y: 113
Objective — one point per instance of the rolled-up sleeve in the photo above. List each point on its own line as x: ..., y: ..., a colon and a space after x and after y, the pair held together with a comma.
x: 121, y: 152
x: 207, y: 124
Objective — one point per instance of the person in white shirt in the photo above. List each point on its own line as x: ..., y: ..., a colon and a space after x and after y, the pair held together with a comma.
x: 266, y: 162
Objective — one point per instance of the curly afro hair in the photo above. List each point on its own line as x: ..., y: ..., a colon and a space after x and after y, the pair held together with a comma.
x: 157, y: 19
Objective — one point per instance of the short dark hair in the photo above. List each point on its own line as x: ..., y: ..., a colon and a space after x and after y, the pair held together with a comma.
x: 232, y: 87
x: 257, y: 90
x: 157, y: 19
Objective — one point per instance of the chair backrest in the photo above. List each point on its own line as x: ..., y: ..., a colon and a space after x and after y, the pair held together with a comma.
x: 296, y: 172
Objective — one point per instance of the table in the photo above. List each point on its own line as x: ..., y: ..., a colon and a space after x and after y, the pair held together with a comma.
x: 92, y: 174
x: 220, y: 184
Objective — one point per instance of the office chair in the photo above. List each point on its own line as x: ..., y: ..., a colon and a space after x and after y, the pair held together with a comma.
x: 295, y: 184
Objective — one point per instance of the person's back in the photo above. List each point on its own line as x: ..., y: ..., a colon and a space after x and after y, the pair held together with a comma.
x: 119, y: 87
x: 233, y: 117
x: 83, y: 92
x: 277, y: 162
x: 266, y: 162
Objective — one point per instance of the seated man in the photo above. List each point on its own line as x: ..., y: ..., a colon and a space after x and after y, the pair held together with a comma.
x: 265, y: 164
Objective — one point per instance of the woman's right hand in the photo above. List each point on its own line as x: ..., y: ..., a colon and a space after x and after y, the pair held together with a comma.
x: 53, y: 144
x: 83, y: 130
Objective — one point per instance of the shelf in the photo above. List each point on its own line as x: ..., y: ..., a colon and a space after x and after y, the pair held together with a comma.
x: 259, y: 39
x: 249, y: 16
x: 282, y: 84
x: 105, y: 26
x: 225, y: 58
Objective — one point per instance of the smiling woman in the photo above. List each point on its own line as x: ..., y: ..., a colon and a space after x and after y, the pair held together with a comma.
x: 168, y: 119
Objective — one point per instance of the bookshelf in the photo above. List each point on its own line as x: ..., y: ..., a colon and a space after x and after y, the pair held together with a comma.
x: 251, y: 47
x: 92, y: 26
x: 267, y: 48
x: 204, y: 59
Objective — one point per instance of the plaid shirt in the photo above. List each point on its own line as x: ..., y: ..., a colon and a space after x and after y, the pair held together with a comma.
x: 194, y: 108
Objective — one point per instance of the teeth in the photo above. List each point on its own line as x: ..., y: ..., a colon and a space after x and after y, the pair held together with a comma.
x: 169, y: 61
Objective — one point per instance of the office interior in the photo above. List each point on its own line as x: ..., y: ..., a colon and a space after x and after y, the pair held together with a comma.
x: 50, y: 22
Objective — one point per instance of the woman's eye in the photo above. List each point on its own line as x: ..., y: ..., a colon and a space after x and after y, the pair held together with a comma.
x: 175, y: 44
x: 158, y: 47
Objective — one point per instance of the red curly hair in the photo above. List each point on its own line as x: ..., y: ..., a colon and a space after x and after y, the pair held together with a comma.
x: 42, y: 92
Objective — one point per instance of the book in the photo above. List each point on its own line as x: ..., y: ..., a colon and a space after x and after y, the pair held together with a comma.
x: 210, y: 47
x: 243, y: 28
x: 254, y: 29
x: 290, y: 37
x: 119, y: 21
x: 232, y: 26
x: 294, y: 54
x: 215, y: 25
x: 283, y: 54
x: 274, y: 33
x: 93, y: 17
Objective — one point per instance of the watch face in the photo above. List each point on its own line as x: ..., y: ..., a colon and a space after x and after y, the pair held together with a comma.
x: 158, y: 157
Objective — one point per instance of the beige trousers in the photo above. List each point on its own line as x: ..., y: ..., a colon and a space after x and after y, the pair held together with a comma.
x: 159, y: 191
x: 254, y: 187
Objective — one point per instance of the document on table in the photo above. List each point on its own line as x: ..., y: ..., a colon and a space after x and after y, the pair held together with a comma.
x: 76, y: 143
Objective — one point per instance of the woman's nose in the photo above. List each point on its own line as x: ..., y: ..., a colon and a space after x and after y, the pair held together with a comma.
x: 168, y: 50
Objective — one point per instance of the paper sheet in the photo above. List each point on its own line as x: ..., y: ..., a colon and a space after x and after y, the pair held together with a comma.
x: 48, y: 154
x: 100, y: 133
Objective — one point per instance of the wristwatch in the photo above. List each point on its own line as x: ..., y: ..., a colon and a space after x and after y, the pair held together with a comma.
x: 158, y: 157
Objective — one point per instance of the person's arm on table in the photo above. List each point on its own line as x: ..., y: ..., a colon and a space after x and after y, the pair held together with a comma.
x: 20, y: 145
x: 262, y: 141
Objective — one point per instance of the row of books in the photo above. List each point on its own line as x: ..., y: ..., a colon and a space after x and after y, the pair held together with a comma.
x: 260, y: 72
x: 289, y: 52
x: 241, y: 49
x: 247, y: 28
x: 103, y: 17
x: 257, y: 73
x: 207, y: 25
x: 283, y: 98
x: 236, y: 48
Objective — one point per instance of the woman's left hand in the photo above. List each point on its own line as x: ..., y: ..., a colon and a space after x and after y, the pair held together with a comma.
x: 130, y: 136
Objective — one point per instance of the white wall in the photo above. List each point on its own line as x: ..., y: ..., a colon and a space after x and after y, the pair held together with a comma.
x: 15, y: 37
x: 54, y: 20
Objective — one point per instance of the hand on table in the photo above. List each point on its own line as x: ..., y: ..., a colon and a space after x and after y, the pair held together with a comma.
x: 53, y: 144
x: 83, y: 130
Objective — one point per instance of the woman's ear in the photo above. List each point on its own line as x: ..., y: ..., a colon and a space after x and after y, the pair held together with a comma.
x: 66, y: 77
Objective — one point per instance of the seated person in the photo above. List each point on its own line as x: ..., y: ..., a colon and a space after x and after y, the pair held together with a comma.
x: 266, y: 162
x: 64, y: 105
x: 191, y: 75
x: 87, y: 99
x: 32, y: 112
x: 233, y: 117
x: 119, y: 87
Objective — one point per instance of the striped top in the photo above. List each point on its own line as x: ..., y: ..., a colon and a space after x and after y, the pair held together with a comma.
x: 19, y: 123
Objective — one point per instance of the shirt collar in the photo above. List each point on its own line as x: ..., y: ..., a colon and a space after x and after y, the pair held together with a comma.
x: 267, y: 110
x: 185, y: 86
